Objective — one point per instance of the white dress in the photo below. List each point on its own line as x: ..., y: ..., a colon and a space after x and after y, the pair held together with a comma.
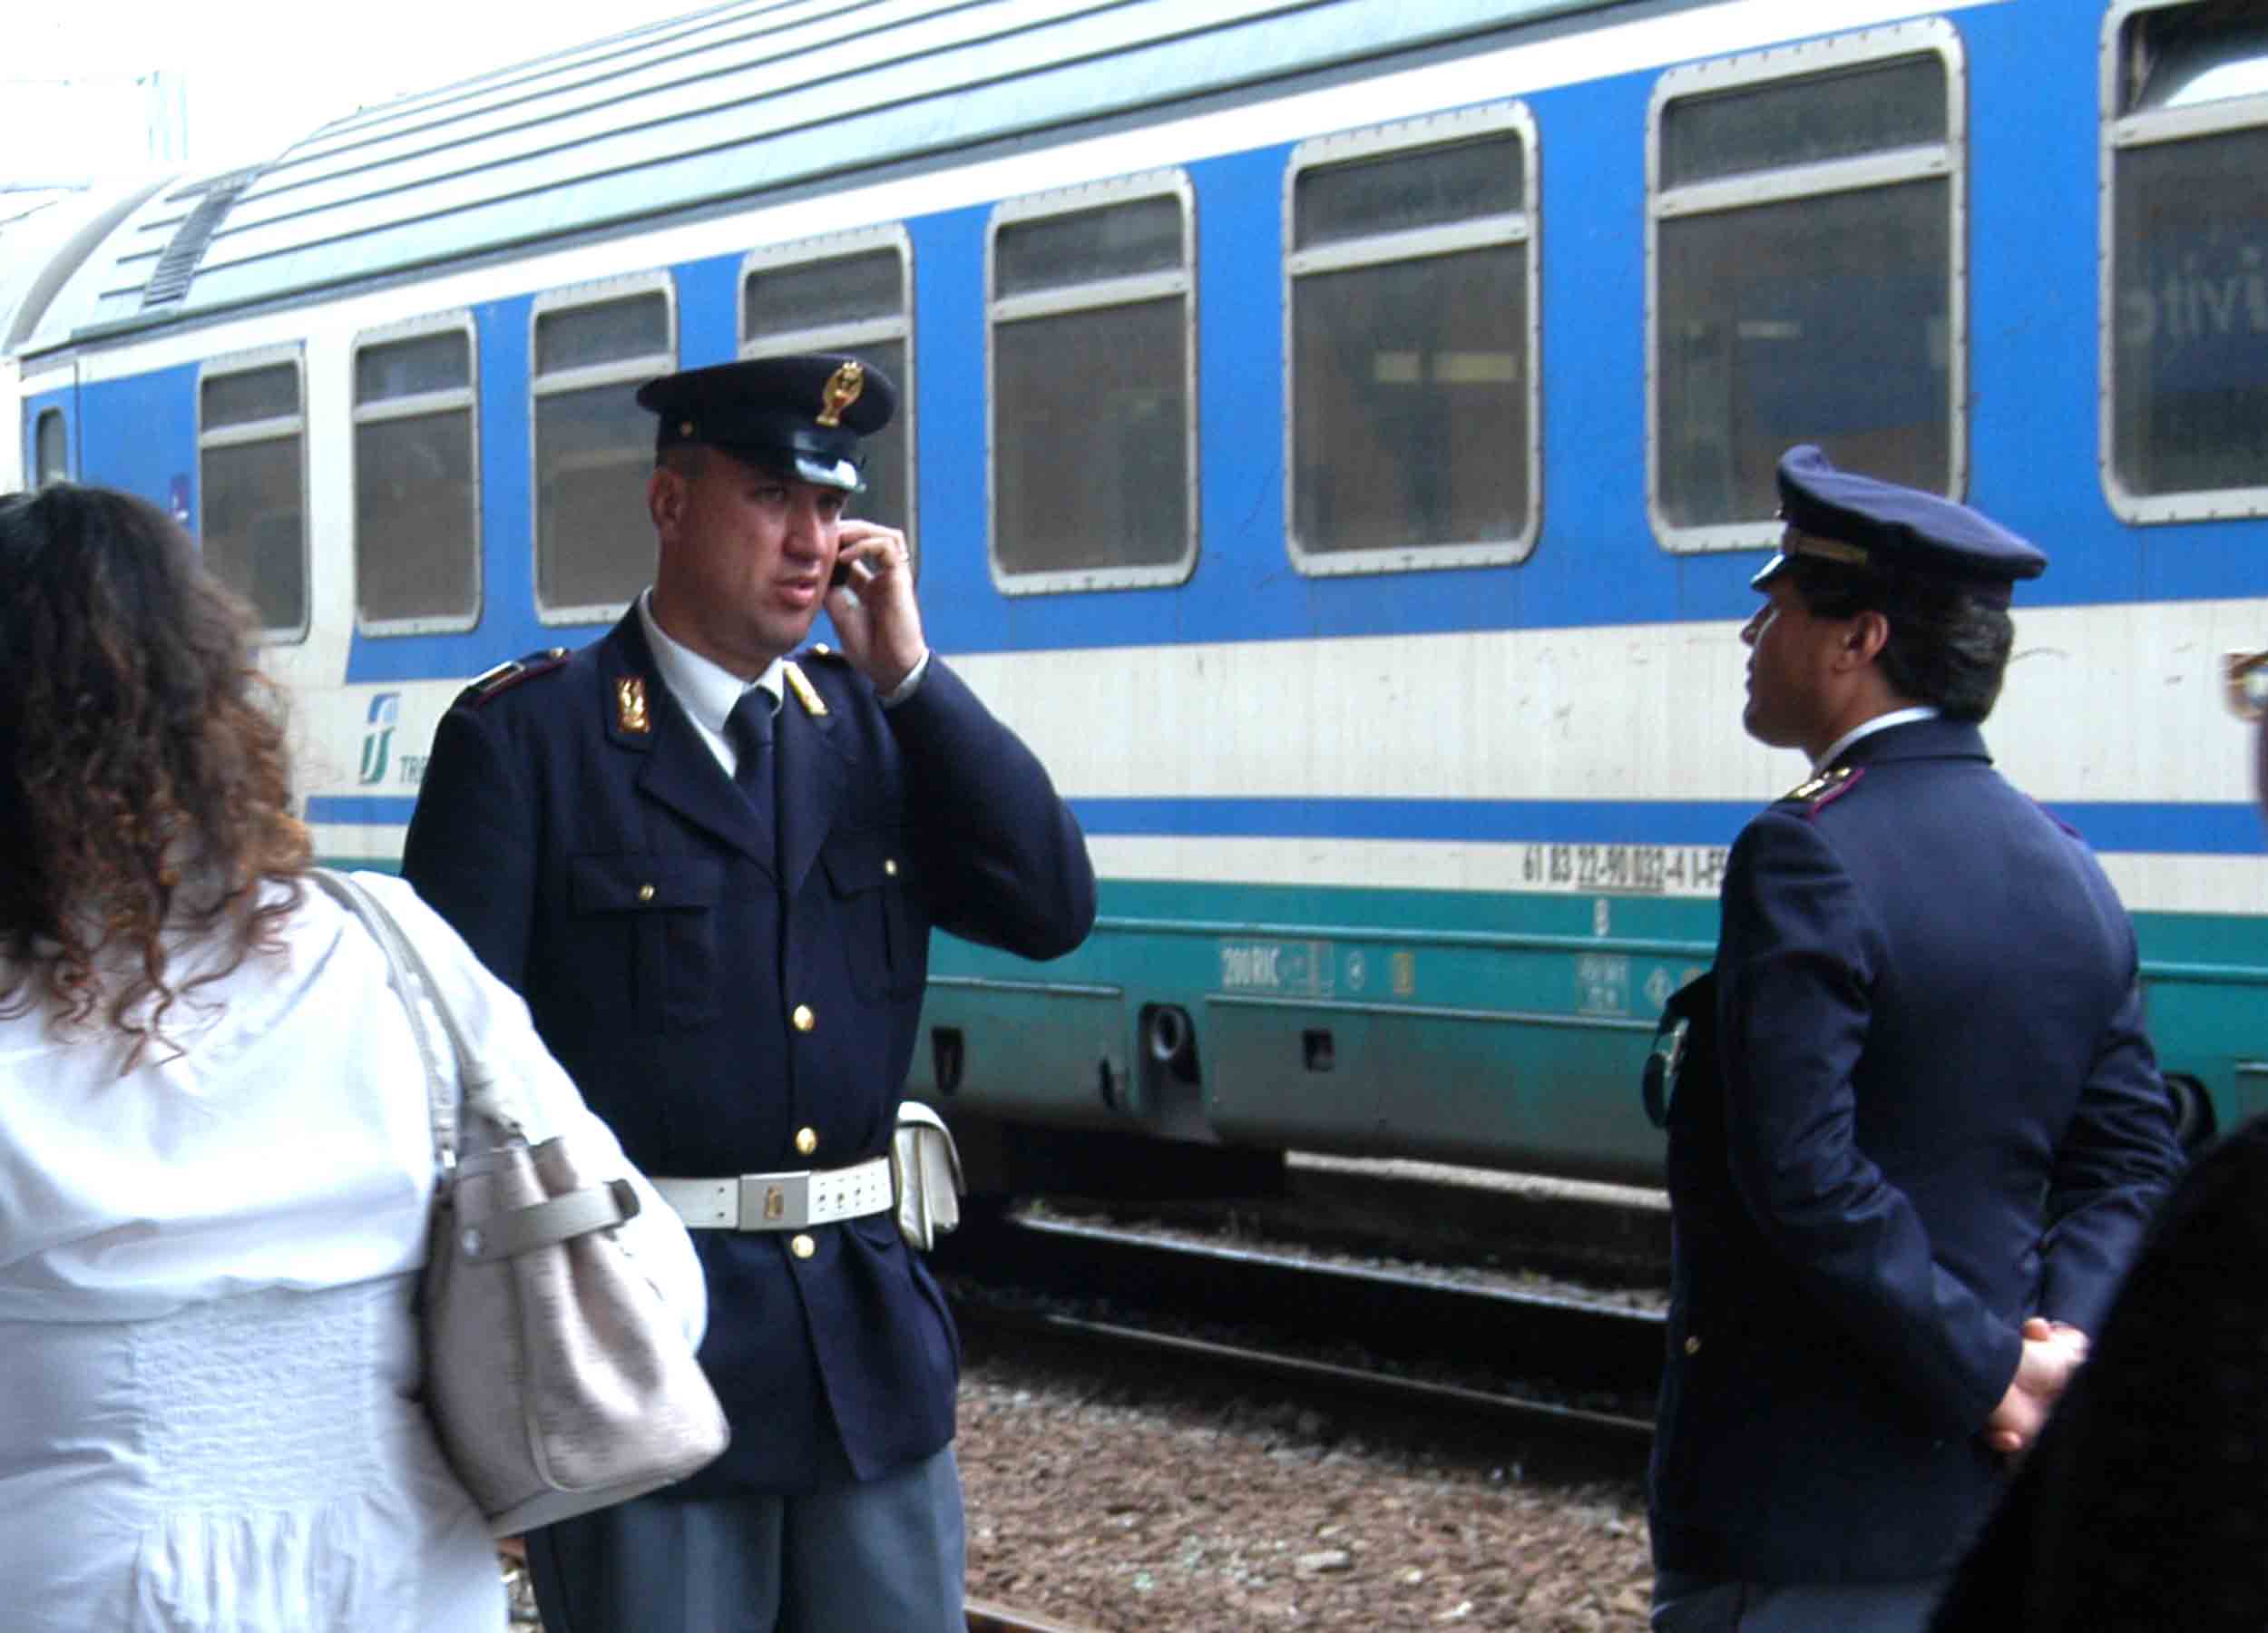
x: 207, y: 1363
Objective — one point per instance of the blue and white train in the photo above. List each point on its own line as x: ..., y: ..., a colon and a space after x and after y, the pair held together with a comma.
x: 1339, y: 435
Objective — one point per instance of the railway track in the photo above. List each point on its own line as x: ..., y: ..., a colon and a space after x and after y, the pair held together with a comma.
x: 1532, y: 1364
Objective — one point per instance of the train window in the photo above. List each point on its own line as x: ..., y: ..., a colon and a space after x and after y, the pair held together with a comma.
x: 1410, y: 285
x: 851, y: 292
x: 51, y: 452
x: 251, y: 487
x: 2185, y: 262
x: 592, y: 444
x: 417, y: 478
x: 1806, y: 275
x: 1092, y: 370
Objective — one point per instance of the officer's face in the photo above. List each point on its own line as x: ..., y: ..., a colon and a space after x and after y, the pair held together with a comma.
x: 745, y: 559
x: 1791, y: 655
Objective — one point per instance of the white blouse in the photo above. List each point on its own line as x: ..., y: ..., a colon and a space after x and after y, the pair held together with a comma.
x: 208, y: 1360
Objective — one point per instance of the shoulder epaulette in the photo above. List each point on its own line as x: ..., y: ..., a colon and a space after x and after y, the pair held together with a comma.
x: 1823, y: 788
x: 806, y: 693
x: 507, y: 674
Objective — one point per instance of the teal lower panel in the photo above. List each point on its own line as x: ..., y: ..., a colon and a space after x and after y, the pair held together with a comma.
x: 1492, y: 1027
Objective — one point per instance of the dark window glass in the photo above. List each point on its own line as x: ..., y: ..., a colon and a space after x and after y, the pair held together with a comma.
x: 53, y: 455
x: 251, y: 395
x: 1419, y: 187
x: 847, y: 289
x: 1411, y: 406
x: 400, y: 368
x: 416, y: 538
x: 1091, y: 439
x: 593, y: 540
x: 608, y: 332
x: 1820, y: 319
x: 1117, y: 240
x: 2190, y: 370
x: 1823, y: 116
x: 255, y: 526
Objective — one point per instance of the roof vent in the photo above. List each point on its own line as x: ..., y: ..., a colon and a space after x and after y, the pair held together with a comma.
x: 177, y: 268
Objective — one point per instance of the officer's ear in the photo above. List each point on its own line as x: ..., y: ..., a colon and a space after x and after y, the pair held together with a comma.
x: 665, y: 498
x: 1865, y: 638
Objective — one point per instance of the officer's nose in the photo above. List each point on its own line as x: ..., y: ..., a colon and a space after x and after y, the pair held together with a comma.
x: 806, y: 528
x: 1754, y: 626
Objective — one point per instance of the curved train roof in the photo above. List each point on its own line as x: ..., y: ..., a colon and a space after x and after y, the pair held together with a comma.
x: 756, y: 97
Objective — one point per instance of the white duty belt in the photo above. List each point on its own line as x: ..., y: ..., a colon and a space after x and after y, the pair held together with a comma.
x: 789, y: 1201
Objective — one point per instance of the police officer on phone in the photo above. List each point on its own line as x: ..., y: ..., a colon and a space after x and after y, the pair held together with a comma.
x: 711, y: 868
x: 1934, y: 1129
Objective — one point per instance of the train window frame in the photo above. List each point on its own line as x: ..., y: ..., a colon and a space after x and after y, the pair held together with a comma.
x: 1095, y: 295
x: 1521, y: 227
x: 466, y: 398
x: 2120, y: 131
x: 1849, y: 174
x: 847, y: 337
x: 620, y: 371
x: 41, y: 473
x: 245, y: 433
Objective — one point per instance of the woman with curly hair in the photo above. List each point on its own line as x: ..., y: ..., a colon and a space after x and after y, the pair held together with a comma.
x: 215, y: 1157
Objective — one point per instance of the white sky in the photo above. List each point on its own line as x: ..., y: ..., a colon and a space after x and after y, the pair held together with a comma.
x: 259, y: 74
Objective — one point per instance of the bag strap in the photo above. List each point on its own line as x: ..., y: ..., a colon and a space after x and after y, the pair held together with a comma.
x: 406, y: 971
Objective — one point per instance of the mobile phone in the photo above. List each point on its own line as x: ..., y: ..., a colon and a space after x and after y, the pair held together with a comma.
x: 842, y: 575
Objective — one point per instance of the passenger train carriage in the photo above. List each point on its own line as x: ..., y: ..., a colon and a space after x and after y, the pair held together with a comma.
x: 1338, y: 436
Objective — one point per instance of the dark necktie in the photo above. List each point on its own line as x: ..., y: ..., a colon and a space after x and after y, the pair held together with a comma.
x: 750, y: 728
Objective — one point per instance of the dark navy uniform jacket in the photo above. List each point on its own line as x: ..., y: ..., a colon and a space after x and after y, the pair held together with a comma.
x: 620, y: 881
x: 1936, y: 1114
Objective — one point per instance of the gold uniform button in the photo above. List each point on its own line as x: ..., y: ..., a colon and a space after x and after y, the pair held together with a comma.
x: 645, y: 893
x: 803, y: 1247
x: 1693, y: 1347
x: 803, y: 1018
x: 807, y: 1140
x: 890, y: 867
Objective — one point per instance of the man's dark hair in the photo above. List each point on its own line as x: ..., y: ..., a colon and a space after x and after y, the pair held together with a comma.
x: 1947, y: 647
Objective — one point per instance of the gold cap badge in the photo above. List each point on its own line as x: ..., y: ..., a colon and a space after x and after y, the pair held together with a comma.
x: 629, y: 705
x: 842, y: 389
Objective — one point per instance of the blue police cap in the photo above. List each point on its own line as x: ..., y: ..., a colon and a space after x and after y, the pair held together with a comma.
x: 801, y: 415
x: 1896, y: 533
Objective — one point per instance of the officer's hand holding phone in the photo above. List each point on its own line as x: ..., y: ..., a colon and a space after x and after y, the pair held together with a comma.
x: 871, y: 600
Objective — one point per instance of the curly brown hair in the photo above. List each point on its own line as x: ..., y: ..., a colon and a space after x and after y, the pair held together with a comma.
x: 144, y: 784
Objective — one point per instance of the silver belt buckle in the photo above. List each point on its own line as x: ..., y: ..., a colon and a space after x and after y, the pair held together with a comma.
x: 775, y: 1201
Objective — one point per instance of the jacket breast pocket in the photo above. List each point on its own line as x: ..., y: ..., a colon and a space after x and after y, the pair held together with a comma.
x: 885, y: 936
x: 660, y: 913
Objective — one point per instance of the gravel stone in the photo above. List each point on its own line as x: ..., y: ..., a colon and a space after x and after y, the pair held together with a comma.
x: 1119, y: 1504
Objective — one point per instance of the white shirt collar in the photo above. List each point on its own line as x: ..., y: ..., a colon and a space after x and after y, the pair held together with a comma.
x: 1864, y: 728
x: 706, y: 689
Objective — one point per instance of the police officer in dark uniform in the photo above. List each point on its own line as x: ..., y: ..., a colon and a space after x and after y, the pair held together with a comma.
x: 712, y: 870
x: 1934, y: 1129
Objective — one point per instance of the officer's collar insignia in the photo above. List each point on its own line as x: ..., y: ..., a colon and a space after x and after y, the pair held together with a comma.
x: 806, y: 693
x: 840, y: 391
x: 629, y: 705
x: 1817, y: 789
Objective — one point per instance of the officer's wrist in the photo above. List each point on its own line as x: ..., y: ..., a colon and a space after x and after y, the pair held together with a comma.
x: 910, y: 683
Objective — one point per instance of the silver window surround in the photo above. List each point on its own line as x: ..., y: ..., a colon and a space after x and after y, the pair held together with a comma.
x: 1522, y: 228
x: 640, y: 369
x: 2141, y: 130
x: 409, y: 408
x: 1948, y: 160
x: 1074, y: 298
x: 847, y: 337
x: 258, y: 431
